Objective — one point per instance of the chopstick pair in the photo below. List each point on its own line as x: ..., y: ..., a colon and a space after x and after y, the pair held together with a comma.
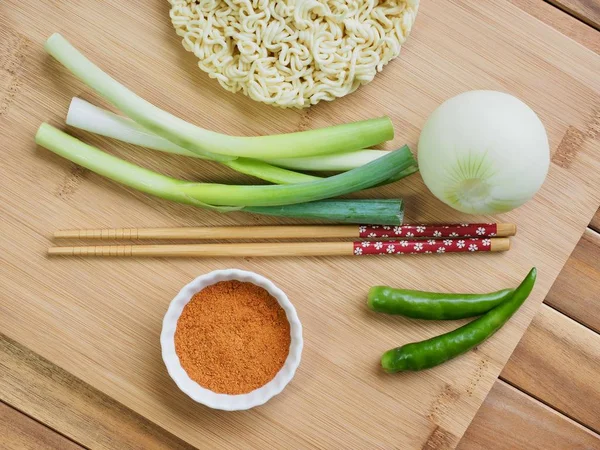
x: 472, y: 230
x: 403, y: 239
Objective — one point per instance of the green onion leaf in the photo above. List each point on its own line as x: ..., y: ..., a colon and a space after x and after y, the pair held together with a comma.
x: 371, y: 211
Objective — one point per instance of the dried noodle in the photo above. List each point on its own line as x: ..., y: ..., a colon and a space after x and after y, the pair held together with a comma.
x: 293, y: 53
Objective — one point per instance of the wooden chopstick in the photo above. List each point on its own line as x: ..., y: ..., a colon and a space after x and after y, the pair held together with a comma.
x: 358, y: 248
x: 297, y: 232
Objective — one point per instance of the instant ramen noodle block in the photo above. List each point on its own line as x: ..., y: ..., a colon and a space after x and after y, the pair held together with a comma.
x: 293, y: 53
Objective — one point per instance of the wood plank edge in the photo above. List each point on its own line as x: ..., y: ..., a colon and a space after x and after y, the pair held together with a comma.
x: 563, y: 23
x: 573, y: 13
x: 41, y: 426
x: 549, y: 406
x: 541, y: 400
x: 502, y: 391
x: 570, y: 316
x: 594, y: 236
x: 20, y: 360
x: 595, y: 223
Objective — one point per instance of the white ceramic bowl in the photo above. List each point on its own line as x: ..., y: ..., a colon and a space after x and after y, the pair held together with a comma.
x: 224, y: 401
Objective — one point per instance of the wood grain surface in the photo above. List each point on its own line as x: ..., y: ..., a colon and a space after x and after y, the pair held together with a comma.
x: 43, y: 390
x: 587, y: 11
x: 561, y: 372
x: 558, y: 361
x: 560, y: 21
x: 510, y: 419
x: 100, y: 320
x: 575, y: 292
x: 62, y: 402
x: 595, y: 223
x: 19, y: 432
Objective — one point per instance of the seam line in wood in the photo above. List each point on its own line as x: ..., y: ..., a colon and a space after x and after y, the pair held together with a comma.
x: 573, y: 319
x: 36, y: 420
x: 574, y: 14
x: 555, y: 409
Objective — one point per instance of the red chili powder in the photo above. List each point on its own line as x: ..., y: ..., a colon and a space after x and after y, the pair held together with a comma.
x: 232, y: 337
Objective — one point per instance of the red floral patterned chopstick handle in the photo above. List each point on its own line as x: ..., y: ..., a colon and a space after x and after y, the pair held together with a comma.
x: 424, y: 231
x: 402, y: 247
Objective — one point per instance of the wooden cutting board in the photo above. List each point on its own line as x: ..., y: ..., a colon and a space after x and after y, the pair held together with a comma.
x: 100, y: 318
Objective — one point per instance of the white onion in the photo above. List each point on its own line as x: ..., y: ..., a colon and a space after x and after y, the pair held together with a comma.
x: 484, y: 152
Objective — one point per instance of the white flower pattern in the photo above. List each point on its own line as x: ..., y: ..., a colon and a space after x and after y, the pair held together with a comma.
x: 437, y: 233
x: 448, y: 242
x: 420, y: 229
x: 486, y: 242
x: 365, y: 243
x: 397, y: 231
x: 418, y: 246
x: 410, y: 234
x: 362, y: 229
x: 432, y: 242
x: 460, y: 244
x: 358, y: 251
x: 473, y: 248
x: 404, y: 243
x: 441, y: 250
x: 390, y: 248
x: 454, y: 234
x: 386, y: 227
x: 372, y: 235
x: 480, y: 231
x: 378, y: 245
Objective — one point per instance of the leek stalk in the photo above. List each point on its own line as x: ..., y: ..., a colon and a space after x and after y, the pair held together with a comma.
x: 268, y: 172
x: 340, y: 162
x: 220, y: 147
x: 202, y: 194
x: 371, y: 211
x: 94, y: 119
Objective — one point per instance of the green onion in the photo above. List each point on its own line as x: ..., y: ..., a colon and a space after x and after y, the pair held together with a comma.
x: 201, y: 194
x: 268, y: 172
x: 88, y: 117
x: 376, y: 212
x: 340, y: 162
x: 402, y: 174
x: 335, y: 139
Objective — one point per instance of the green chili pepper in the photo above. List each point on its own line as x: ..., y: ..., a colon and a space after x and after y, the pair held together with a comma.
x: 431, y: 305
x: 434, y: 351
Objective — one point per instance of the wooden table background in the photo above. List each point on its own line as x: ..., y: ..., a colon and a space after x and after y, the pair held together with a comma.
x: 547, y: 397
